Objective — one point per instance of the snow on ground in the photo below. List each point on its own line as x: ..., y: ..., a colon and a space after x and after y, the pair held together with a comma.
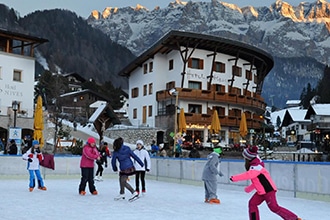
x: 163, y: 201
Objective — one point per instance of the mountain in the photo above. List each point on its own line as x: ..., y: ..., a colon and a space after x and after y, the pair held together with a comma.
x: 296, y: 36
x: 74, y: 46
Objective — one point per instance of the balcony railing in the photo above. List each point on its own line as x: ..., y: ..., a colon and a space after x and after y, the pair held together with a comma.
x: 207, y: 95
x: 226, y: 121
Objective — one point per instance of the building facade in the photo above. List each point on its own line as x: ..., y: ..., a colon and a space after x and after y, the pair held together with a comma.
x: 208, y: 73
x: 17, y: 71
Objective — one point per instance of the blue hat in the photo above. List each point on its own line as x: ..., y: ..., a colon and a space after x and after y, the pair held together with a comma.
x: 35, y: 142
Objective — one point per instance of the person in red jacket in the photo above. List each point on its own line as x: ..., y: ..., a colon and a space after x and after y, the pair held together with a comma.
x: 89, y: 155
x: 262, y: 182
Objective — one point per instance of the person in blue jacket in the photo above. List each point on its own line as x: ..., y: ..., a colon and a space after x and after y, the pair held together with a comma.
x: 123, y: 154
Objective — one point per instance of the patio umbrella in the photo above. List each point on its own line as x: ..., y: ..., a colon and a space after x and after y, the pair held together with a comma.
x: 243, y: 126
x: 182, y: 122
x: 215, y: 123
x: 38, y: 122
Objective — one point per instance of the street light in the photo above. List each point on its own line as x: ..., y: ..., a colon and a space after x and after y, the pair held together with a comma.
x: 15, y: 108
x: 74, y: 114
x: 174, y: 92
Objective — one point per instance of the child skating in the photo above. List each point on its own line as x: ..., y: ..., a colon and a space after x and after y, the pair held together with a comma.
x: 209, y: 176
x: 34, y: 157
x: 262, y: 182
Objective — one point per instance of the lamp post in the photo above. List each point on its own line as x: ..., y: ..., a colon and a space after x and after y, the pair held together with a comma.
x: 74, y: 114
x: 15, y: 108
x: 174, y: 92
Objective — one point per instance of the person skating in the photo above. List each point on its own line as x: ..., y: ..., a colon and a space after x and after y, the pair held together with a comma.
x: 141, y: 170
x: 262, y: 182
x: 123, y: 154
x: 209, y: 176
x: 89, y: 155
x: 34, y: 157
x: 105, y: 153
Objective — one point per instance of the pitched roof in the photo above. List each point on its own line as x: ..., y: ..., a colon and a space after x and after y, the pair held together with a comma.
x: 173, y: 40
x: 318, y: 109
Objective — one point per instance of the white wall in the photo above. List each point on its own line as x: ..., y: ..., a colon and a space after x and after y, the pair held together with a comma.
x: 11, y: 90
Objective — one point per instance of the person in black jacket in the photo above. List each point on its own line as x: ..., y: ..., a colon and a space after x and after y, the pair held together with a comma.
x: 12, y: 150
x: 105, y: 153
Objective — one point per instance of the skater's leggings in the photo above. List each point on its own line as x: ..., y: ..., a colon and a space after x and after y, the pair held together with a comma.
x: 99, y: 169
x: 140, y: 175
x: 124, y: 184
x: 271, y: 201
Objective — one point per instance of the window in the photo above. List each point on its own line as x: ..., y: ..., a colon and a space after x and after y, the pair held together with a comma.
x: 135, y: 92
x: 197, y: 109
x: 135, y: 113
x: 170, y: 85
x: 194, y: 85
x: 170, y: 64
x: 17, y: 75
x: 150, y: 111
x: 219, y: 67
x: 145, y: 68
x: 196, y: 63
x: 151, y: 67
x: 220, y: 88
x: 248, y: 74
x: 237, y: 71
x: 150, y: 88
x: 145, y: 90
x: 221, y: 111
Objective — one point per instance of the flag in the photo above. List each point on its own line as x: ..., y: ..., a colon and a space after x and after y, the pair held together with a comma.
x: 48, y: 161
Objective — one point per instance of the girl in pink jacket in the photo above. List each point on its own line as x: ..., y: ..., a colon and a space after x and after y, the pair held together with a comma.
x: 262, y: 182
x: 89, y: 155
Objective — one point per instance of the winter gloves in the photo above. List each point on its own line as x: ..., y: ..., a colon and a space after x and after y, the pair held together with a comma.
x: 30, y: 160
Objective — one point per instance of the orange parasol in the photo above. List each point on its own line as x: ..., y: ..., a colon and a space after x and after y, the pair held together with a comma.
x: 38, y: 122
x: 243, y: 126
x: 215, y: 124
x: 182, y: 122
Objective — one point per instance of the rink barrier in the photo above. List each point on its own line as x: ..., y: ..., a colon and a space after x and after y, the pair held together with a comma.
x: 309, y: 180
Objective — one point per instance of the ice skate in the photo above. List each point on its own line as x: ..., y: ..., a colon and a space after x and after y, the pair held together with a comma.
x: 97, y: 178
x: 30, y: 189
x: 134, y: 196
x: 42, y: 188
x: 214, y: 201
x: 82, y: 193
x: 120, y: 197
x: 94, y: 193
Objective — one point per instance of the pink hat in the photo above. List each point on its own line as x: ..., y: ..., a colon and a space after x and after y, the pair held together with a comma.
x: 91, y: 140
x: 250, y: 152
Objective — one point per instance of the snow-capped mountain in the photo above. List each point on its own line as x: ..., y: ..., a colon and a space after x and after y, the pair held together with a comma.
x: 297, y: 36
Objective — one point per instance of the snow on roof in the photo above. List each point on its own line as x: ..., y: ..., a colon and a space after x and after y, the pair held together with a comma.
x: 293, y: 102
x: 97, y: 112
x: 298, y: 115
x: 321, y: 109
x: 97, y: 104
x: 276, y: 114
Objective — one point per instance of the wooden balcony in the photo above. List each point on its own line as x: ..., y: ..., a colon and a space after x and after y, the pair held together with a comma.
x: 225, y: 121
x: 251, y: 100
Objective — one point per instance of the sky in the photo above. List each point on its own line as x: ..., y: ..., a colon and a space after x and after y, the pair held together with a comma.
x: 85, y: 7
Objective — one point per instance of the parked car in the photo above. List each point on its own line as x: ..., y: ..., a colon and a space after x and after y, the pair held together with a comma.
x: 290, y: 144
x: 306, y: 144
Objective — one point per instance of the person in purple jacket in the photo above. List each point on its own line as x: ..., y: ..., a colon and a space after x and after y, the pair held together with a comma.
x: 89, y: 155
x: 123, y: 154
